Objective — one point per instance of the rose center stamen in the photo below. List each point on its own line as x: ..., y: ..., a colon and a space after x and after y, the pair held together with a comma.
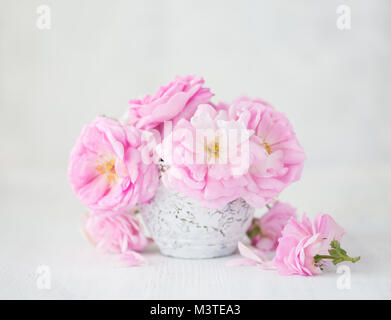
x: 107, y: 168
x: 213, y: 149
x: 266, y: 146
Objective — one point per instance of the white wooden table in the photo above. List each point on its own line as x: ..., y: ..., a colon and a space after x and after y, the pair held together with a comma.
x: 40, y: 226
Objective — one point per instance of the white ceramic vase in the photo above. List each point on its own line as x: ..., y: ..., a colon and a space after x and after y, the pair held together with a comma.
x: 183, y: 228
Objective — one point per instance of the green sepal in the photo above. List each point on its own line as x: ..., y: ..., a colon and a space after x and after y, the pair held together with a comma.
x: 336, y: 254
x: 255, y: 230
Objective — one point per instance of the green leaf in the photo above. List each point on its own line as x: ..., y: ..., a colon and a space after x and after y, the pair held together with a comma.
x: 354, y: 260
x: 335, y: 244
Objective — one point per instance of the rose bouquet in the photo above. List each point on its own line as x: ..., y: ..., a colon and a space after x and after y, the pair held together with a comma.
x: 194, y: 169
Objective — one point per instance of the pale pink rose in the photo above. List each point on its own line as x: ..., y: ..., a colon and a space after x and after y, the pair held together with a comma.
x: 265, y: 231
x: 117, y: 234
x: 200, y: 164
x: 276, y: 156
x: 174, y: 101
x: 301, y: 242
x: 106, y: 169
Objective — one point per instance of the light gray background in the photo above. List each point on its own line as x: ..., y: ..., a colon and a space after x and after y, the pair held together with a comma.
x: 334, y: 86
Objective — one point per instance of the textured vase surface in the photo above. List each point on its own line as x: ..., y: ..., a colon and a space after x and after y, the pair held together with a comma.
x: 183, y: 228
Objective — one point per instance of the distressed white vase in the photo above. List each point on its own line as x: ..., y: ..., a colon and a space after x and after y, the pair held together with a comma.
x: 183, y: 228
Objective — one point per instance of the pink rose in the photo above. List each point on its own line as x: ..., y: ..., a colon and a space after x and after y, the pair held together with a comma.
x: 200, y: 164
x: 302, y: 243
x: 174, y: 101
x: 277, y: 157
x: 106, y: 169
x: 117, y: 234
x: 265, y: 231
x: 302, y: 249
x: 268, y: 156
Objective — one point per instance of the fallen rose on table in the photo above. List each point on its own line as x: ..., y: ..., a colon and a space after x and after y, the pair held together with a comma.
x: 303, y: 247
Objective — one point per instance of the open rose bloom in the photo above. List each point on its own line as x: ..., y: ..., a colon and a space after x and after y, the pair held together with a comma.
x: 203, y: 163
x: 107, y: 170
x: 302, y: 241
x: 277, y: 158
x: 245, y: 150
x: 172, y: 102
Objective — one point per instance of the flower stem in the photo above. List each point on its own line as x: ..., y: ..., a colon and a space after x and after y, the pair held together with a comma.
x: 337, y: 254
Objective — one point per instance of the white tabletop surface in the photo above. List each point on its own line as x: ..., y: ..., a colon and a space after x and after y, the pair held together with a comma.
x: 40, y: 225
